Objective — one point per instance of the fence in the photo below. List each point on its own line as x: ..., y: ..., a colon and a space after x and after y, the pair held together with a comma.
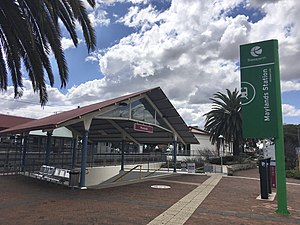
x: 11, y: 158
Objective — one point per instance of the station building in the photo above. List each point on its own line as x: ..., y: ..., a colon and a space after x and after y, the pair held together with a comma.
x: 125, y: 130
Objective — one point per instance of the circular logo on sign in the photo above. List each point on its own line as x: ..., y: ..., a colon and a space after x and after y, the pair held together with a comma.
x: 256, y: 51
x: 247, y: 93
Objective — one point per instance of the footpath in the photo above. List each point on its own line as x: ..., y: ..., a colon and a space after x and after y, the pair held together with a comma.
x: 190, y: 200
x: 182, y: 210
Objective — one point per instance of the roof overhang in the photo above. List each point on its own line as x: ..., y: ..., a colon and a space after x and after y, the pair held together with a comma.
x: 115, y: 129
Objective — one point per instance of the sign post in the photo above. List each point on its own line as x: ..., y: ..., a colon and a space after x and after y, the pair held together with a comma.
x: 261, y: 104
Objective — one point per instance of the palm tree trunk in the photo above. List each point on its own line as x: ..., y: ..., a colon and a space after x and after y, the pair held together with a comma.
x: 236, y: 148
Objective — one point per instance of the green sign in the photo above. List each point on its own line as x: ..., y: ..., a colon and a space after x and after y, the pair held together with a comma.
x: 261, y: 104
x: 259, y: 74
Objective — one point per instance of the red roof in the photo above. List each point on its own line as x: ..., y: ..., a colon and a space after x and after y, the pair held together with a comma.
x: 8, y: 121
x: 197, y: 130
x: 52, y: 122
x: 73, y: 119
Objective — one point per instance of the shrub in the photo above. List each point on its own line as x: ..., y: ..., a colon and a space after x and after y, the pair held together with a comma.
x: 290, y: 173
x: 297, y: 175
x: 225, y: 159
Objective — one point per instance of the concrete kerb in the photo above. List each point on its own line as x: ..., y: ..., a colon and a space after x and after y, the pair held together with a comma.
x: 133, y: 181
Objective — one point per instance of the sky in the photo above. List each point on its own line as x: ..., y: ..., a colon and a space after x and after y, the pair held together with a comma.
x: 189, y: 48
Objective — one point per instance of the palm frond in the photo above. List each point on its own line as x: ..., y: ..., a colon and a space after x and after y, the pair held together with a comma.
x: 225, y: 117
x: 29, y: 32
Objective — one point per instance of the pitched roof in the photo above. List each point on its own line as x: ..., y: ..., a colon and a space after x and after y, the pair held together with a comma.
x: 71, y: 119
x: 8, y: 121
x: 196, y: 130
x: 53, y: 121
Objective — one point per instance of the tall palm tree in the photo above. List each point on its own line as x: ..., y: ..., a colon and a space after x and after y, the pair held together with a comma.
x: 30, y: 31
x: 225, y: 119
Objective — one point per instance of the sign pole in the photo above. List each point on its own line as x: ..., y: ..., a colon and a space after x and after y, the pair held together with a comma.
x: 280, y: 175
x: 279, y: 145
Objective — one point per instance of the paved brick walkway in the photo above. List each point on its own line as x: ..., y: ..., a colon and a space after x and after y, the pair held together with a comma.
x: 25, y: 201
x: 182, y: 210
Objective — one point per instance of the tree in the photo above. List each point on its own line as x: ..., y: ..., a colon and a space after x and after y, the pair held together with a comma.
x: 30, y: 31
x: 291, y: 141
x: 225, y: 119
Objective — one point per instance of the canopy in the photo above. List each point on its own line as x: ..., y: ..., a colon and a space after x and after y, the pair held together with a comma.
x: 142, y: 117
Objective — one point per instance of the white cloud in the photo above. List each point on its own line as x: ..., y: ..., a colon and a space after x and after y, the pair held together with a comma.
x: 140, y: 18
x: 99, y: 17
x: 190, y: 50
x: 290, y: 86
x: 182, y: 54
x: 28, y: 105
x: 290, y: 110
x: 67, y: 43
x: 281, y: 23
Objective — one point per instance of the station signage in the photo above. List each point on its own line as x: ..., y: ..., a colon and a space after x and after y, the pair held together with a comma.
x: 259, y: 82
x: 143, y: 128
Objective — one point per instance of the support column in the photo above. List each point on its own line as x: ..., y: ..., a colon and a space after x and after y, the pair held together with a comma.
x: 141, y: 149
x: 48, y: 148
x: 174, y: 153
x: 122, y: 154
x: 92, y: 156
x: 83, y: 158
x: 24, y: 152
x: 74, y: 149
x: 87, y: 123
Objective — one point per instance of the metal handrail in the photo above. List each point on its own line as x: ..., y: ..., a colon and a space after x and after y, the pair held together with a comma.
x: 120, y: 177
x: 153, y: 172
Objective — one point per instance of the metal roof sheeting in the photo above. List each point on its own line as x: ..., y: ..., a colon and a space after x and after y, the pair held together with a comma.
x: 103, y: 130
x: 8, y: 121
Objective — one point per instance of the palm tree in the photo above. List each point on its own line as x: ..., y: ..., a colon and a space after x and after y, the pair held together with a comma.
x: 225, y: 119
x: 30, y: 31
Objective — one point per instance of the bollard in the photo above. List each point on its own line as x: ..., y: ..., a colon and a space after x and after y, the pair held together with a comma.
x: 264, y: 178
x: 269, y: 180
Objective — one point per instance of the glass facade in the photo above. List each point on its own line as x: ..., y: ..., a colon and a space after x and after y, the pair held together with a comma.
x: 141, y: 110
x: 122, y: 111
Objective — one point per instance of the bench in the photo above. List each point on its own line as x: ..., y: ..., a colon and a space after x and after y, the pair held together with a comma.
x: 52, y: 174
x: 44, y: 172
x: 59, y: 176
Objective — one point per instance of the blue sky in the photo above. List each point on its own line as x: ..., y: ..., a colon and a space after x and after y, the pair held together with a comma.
x: 189, y: 48
x: 107, y: 36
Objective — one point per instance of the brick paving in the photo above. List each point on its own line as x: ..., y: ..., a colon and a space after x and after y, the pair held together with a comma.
x: 24, y: 200
x: 182, y: 210
x: 238, y: 205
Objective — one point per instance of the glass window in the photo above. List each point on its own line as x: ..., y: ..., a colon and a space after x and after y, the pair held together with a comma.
x: 141, y: 110
x: 121, y: 111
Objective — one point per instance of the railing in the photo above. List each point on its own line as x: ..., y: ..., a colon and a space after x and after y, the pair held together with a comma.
x: 114, y: 159
x: 153, y: 172
x: 11, y: 156
x: 123, y: 175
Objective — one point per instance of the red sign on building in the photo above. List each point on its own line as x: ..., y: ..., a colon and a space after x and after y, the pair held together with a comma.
x: 143, y: 128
